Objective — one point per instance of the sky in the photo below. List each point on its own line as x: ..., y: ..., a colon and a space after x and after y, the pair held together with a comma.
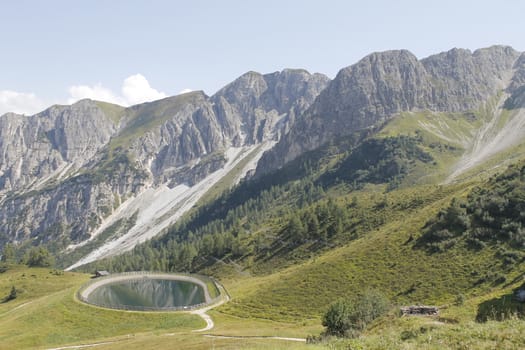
x: 130, y: 51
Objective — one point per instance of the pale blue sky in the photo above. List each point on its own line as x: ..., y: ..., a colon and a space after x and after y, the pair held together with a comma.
x: 57, y: 51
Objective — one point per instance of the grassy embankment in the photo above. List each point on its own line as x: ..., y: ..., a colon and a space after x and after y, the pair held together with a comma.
x: 388, y: 259
x: 45, y: 313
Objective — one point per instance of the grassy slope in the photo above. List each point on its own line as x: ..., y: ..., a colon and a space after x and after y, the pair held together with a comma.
x: 380, y: 259
x: 113, y: 111
x: 288, y: 299
x: 447, y: 136
x: 455, y: 328
x: 46, y: 314
x: 384, y: 259
x: 444, y: 135
x: 146, y: 116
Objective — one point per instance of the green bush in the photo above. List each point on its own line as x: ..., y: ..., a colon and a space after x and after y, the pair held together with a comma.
x: 39, y: 257
x: 12, y: 295
x: 347, y: 317
x: 459, y: 300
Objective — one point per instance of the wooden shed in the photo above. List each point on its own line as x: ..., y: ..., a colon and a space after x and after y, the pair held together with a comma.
x: 419, y: 310
x: 101, y: 273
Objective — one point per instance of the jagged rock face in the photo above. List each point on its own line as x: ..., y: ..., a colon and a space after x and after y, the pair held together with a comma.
x: 189, y: 130
x: 379, y: 85
x: 68, y: 212
x: 32, y: 148
x: 518, y: 80
x: 384, y: 84
x: 262, y: 102
x: 460, y: 80
x: 65, y: 170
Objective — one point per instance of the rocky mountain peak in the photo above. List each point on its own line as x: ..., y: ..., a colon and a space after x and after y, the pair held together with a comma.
x: 67, y: 169
x: 380, y: 84
x: 518, y: 80
x: 383, y: 84
x: 248, y: 85
x: 262, y: 105
x: 35, y: 147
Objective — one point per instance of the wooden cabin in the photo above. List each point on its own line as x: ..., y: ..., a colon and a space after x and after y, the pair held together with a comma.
x: 419, y: 310
x: 101, y: 273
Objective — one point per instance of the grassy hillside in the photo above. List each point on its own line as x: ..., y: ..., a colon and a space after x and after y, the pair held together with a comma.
x: 342, y: 220
x: 385, y: 258
x: 389, y: 259
x: 455, y: 328
x: 273, y: 297
x: 371, y: 211
x: 45, y: 313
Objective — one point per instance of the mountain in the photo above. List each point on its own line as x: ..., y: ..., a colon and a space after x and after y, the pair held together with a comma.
x: 70, y: 173
x: 94, y: 179
x: 381, y: 85
x: 401, y: 176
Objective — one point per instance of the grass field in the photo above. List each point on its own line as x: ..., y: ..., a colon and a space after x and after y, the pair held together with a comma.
x: 46, y: 314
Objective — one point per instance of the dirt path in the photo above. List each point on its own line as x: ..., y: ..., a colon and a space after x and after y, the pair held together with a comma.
x: 302, y: 340
x: 202, y: 313
x: 82, y: 346
x: 16, y: 308
x: 210, y: 324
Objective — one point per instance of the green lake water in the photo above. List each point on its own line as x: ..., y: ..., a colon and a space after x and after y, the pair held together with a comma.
x: 147, y: 292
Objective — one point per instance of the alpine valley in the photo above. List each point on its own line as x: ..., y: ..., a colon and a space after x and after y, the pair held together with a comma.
x: 403, y: 177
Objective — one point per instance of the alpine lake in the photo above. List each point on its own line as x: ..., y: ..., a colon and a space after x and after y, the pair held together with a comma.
x: 148, y: 294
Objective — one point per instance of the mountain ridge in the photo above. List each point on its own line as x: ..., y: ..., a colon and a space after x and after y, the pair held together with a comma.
x: 179, y: 145
x: 177, y: 141
x: 383, y: 84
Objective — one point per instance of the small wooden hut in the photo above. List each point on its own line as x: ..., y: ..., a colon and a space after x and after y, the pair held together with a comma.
x: 419, y: 310
x: 101, y: 273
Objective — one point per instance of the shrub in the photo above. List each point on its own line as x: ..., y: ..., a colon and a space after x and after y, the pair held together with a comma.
x: 459, y: 300
x: 346, y: 318
x: 39, y: 257
x: 12, y: 295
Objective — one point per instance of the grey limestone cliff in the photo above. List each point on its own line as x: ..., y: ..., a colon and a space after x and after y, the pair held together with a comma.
x: 67, y: 169
x: 383, y: 84
x: 35, y: 147
x: 266, y: 101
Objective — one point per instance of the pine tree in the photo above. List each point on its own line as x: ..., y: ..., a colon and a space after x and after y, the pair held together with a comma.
x: 12, y: 295
x: 8, y: 253
x: 312, y: 224
x: 295, y: 229
x: 39, y: 257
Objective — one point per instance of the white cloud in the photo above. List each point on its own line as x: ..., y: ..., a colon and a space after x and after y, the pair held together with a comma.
x: 135, y: 89
x: 96, y: 92
x: 20, y: 102
x: 185, y: 91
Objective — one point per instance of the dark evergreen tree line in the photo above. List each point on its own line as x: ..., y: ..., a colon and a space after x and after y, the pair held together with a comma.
x: 493, y: 214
